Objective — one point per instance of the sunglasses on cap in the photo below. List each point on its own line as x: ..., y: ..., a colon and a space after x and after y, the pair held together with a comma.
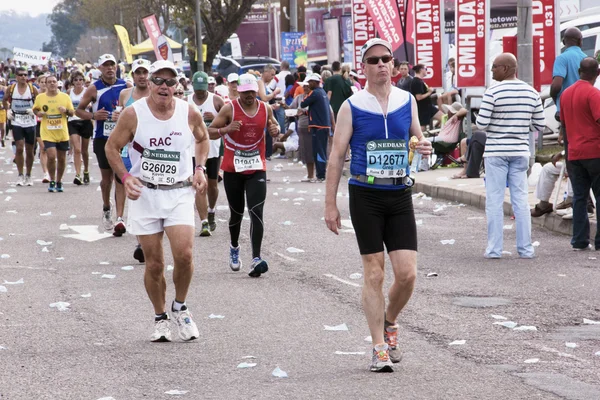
x: 169, y: 82
x: 375, y: 60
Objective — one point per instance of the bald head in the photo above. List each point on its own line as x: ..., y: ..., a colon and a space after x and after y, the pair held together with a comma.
x: 507, y: 59
x: 504, y: 67
x: 588, y: 69
x: 572, y: 37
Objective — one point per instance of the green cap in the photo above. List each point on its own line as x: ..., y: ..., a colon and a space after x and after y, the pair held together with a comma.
x: 200, y: 81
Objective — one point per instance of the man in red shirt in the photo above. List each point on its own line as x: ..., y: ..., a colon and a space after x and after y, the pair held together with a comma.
x: 580, y: 113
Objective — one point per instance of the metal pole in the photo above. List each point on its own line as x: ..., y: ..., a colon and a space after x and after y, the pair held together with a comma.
x: 199, y: 37
x: 525, y: 57
x: 270, y: 35
x: 293, y: 16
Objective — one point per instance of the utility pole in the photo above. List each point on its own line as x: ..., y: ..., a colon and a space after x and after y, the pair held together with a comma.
x: 525, y: 40
x: 293, y: 16
x: 525, y: 57
x: 199, y: 37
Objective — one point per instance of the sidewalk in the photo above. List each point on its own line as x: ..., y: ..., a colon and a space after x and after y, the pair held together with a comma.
x: 439, y: 183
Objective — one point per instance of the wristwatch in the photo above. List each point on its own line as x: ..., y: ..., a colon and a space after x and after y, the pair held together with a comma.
x: 201, y: 167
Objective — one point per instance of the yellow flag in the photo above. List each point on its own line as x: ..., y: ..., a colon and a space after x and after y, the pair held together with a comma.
x: 124, y: 37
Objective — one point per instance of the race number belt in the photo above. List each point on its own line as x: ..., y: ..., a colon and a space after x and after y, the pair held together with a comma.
x: 371, y: 180
x: 109, y: 126
x: 54, y: 122
x: 387, y: 158
x: 24, y: 119
x: 247, y: 160
x: 160, y: 167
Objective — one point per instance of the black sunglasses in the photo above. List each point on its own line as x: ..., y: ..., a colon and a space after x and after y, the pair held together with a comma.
x: 375, y: 60
x: 159, y: 81
x: 179, y: 93
x: 21, y: 74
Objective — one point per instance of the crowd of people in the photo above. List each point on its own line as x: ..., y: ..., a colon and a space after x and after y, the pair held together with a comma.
x: 157, y: 133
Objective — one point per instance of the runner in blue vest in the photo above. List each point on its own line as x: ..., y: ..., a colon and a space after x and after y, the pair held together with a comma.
x: 104, y: 93
x: 377, y: 123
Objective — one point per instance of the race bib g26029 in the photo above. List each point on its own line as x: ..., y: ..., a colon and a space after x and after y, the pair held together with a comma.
x: 387, y: 158
x: 160, y: 167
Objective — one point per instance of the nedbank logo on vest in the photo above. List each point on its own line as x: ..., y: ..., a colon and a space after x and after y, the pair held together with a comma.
x: 160, y: 154
x: 386, y: 144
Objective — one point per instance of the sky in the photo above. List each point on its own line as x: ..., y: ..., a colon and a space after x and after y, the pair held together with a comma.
x: 31, y: 7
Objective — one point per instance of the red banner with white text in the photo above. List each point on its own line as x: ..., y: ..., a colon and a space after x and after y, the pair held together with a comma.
x: 386, y: 17
x: 428, y: 40
x: 544, y: 26
x: 363, y: 30
x: 471, y: 42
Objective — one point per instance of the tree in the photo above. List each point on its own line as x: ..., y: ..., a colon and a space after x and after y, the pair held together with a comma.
x: 220, y: 19
x: 66, y: 27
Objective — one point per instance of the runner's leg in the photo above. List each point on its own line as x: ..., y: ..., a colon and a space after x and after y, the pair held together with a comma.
x: 61, y: 156
x: 234, y: 189
x: 154, y: 277
x: 373, y: 299
x: 51, y: 152
x: 256, y: 193
x: 181, y: 238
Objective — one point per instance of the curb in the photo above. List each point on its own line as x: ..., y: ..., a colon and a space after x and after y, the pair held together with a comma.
x: 552, y: 222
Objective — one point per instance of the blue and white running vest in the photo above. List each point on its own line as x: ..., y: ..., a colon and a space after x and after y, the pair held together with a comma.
x: 107, y: 97
x: 379, y: 143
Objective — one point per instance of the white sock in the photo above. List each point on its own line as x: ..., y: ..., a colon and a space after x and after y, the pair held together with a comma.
x: 211, y: 210
x: 204, y: 220
x: 177, y: 305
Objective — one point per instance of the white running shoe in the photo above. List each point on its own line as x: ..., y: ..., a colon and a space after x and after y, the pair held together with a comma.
x: 162, y: 331
x: 28, y: 181
x: 107, y: 219
x: 187, y: 328
x: 21, y: 180
x: 564, y: 211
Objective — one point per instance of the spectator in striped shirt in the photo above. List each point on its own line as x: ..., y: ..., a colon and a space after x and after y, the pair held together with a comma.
x: 509, y: 111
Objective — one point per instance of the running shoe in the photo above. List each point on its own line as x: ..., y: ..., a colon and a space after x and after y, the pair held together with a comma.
x: 28, y: 180
x: 187, y: 328
x: 138, y: 253
x: 107, y: 220
x: 77, y: 181
x: 20, y: 180
x: 119, y: 228
x: 205, y: 231
x: 86, y: 178
x: 391, y: 338
x: 162, y: 331
x: 234, y: 258
x: 46, y: 178
x: 381, y: 359
x: 3, y: 144
x: 588, y: 247
x: 211, y: 221
x: 52, y: 187
x: 59, y: 187
x: 258, y: 267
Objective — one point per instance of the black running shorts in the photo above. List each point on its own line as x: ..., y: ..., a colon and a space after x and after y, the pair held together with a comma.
x: 99, y: 144
x: 212, y: 167
x: 383, y: 217
x: 27, y: 134
x: 81, y: 127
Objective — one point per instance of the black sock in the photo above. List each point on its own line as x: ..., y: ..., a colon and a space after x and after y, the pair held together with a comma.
x: 160, y: 317
x: 105, y: 208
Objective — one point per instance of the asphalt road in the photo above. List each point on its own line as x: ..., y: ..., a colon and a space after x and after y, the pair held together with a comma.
x: 100, y: 348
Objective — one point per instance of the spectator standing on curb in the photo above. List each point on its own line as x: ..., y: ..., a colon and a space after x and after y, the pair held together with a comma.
x: 509, y: 111
x: 319, y: 117
x: 338, y: 88
x: 580, y: 113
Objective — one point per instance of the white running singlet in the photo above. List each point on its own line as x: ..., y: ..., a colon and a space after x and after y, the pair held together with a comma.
x: 209, y: 106
x: 168, y: 145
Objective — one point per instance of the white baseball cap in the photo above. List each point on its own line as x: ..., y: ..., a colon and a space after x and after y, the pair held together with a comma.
x: 374, y: 42
x: 453, y: 108
x: 105, y: 58
x: 163, y: 64
x: 140, y: 63
x: 233, y: 77
x: 212, y: 80
x: 247, y: 83
x: 313, y: 77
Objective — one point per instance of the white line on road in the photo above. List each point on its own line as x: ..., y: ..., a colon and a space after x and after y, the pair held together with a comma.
x: 342, y: 280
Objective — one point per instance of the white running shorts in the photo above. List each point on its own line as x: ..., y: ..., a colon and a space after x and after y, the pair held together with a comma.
x: 157, y: 209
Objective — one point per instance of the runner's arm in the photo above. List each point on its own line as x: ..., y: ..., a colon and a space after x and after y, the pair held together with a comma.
x: 221, y: 121
x: 88, y: 97
x: 341, y: 140
x: 219, y: 103
x: 272, y: 124
x: 415, y: 127
x: 120, y: 136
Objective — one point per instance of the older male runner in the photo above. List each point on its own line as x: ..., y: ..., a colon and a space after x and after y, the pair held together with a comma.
x: 160, y: 131
x: 381, y: 206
